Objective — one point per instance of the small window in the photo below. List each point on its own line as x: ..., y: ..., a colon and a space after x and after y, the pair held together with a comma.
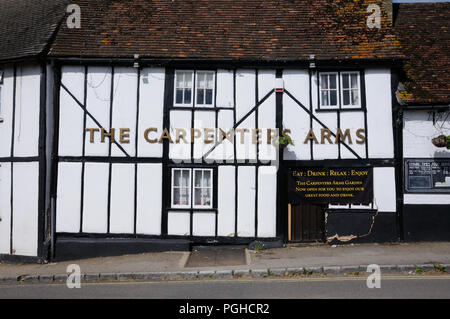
x: 181, y: 188
x: 328, y: 83
x: 201, y: 188
x: 350, y: 89
x: 183, y: 87
x: 205, y: 88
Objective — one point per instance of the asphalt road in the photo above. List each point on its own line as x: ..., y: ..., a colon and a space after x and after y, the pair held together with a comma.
x: 334, y: 287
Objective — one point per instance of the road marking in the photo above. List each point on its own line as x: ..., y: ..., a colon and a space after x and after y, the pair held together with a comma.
x: 237, y: 280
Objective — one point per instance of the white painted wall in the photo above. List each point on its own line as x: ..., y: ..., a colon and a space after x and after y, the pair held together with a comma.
x: 25, y: 187
x: 226, y: 202
x: 98, y: 104
x: 178, y: 223
x: 245, y: 101
x: 204, y: 224
x: 419, y: 130
x: 5, y: 207
x: 246, y: 201
x: 125, y: 108
x: 95, y: 205
x: 267, y: 201
x: 26, y: 133
x: 294, y: 117
x: 424, y: 199
x: 179, y: 120
x: 225, y: 93
x: 266, y: 114
x: 379, y: 113
x: 384, y: 189
x: 68, y: 199
x: 70, y: 113
x: 122, y: 199
x: 151, y: 109
x: 149, y: 199
x: 6, y: 112
x: 25, y: 208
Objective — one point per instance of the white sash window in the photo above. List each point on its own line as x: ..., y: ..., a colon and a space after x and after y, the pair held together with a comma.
x: 196, y: 182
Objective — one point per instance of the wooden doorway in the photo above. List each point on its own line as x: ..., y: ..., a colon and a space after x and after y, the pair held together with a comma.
x: 306, y: 223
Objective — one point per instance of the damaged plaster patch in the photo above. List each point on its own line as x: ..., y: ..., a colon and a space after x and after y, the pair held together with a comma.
x: 341, y: 238
x: 347, y: 238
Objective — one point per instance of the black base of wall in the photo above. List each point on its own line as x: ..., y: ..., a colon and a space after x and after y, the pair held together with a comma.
x: 346, y: 227
x: 71, y: 248
x: 426, y: 222
x: 15, y: 259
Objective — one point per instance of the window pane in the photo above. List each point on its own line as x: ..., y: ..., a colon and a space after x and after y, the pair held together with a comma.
x: 187, y: 96
x: 180, y: 80
x: 333, y: 98
x: 209, y: 97
x: 325, y: 98
x: 323, y: 82
x: 210, y: 81
x: 355, y: 97
x: 198, y: 178
x: 188, y: 80
x: 207, y: 179
x: 179, y: 98
x: 333, y: 81
x: 176, y: 196
x: 201, y: 80
x: 176, y: 178
x: 185, y: 179
x: 184, y: 196
x: 206, y: 197
x: 345, y: 81
x: 354, y: 81
x: 197, y: 197
x: 346, y: 97
x: 200, y: 96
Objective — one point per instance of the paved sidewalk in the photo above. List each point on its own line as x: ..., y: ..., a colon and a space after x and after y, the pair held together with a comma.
x: 291, y: 260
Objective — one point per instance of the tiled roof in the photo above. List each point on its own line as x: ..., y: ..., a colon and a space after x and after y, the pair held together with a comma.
x: 26, y: 26
x: 227, y: 29
x: 424, y: 33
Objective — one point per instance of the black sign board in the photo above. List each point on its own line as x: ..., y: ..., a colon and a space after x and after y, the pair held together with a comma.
x: 427, y: 175
x: 330, y: 185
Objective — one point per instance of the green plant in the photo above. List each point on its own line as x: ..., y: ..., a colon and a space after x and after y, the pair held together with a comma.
x: 307, y: 272
x: 418, y: 270
x: 258, y: 247
x: 285, y: 140
x: 442, y: 141
x: 439, y: 268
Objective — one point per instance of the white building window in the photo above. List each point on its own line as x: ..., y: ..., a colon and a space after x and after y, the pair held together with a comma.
x: 181, y: 188
x: 328, y: 84
x: 340, y: 89
x: 205, y: 88
x: 201, y: 188
x: 350, y: 92
x: 184, y: 81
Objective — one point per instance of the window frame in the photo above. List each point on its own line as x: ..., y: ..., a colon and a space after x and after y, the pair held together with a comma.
x: 321, y: 105
x: 191, y: 188
x: 175, y: 89
x: 172, y: 188
x: 213, y: 88
x: 341, y: 85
